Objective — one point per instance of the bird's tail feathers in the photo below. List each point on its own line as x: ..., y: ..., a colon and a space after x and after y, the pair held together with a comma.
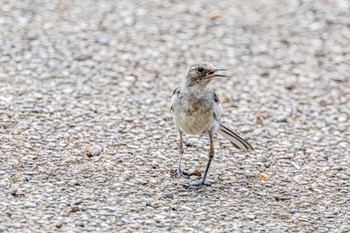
x: 236, y: 140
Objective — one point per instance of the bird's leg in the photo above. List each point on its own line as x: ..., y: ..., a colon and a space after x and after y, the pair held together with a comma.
x: 211, y: 156
x: 181, y: 151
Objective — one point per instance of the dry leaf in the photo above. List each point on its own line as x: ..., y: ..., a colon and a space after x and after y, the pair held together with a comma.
x: 172, y: 171
x: 263, y: 176
x: 75, y: 209
x: 323, y: 102
x: 88, y: 153
x: 32, y: 157
x: 76, y: 142
x: 214, y: 15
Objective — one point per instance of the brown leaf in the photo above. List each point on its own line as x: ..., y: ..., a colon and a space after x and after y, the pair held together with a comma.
x: 172, y: 171
x: 74, y: 209
x: 192, y: 173
x: 32, y: 157
x: 214, y: 15
x: 197, y: 173
x: 263, y: 176
x: 88, y: 153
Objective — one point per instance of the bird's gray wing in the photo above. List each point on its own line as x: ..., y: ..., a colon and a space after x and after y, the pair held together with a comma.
x: 175, y: 93
x: 217, y: 107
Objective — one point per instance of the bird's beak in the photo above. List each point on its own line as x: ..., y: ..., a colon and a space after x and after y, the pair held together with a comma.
x: 213, y: 73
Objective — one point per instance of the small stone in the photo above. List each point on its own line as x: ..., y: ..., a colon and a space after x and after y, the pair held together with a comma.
x: 91, y: 207
x: 343, y: 177
x: 113, y: 200
x: 294, y: 211
x: 80, y: 224
x: 36, y: 137
x: 157, y: 137
x: 251, y: 216
x: 30, y: 205
x: 329, y: 215
x: 16, y: 225
x: 59, y: 225
x: 281, y: 119
x: 103, y: 40
x: 93, y: 151
x: 168, y: 195
x: 76, y: 143
x: 74, y: 183
x: 261, y: 158
x: 250, y: 174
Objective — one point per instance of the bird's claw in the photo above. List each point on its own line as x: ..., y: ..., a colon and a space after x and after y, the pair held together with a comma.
x: 197, y: 184
x: 179, y: 172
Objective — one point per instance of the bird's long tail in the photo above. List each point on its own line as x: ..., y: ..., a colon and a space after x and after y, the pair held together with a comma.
x: 236, y: 140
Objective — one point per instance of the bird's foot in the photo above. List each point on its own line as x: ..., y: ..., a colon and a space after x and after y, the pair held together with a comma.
x: 180, y: 173
x: 197, y: 184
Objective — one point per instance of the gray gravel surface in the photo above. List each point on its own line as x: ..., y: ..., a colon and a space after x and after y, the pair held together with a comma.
x: 87, y: 141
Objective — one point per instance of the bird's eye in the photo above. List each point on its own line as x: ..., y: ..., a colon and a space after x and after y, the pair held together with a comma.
x: 200, y: 69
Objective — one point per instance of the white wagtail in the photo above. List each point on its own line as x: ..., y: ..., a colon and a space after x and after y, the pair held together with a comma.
x: 197, y: 110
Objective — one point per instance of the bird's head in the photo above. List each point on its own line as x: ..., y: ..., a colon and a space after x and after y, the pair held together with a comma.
x: 201, y: 74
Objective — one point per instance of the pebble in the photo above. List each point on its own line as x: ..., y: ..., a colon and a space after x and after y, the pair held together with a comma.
x: 30, y: 205
x: 343, y: 177
x: 15, y: 225
x: 261, y: 158
x: 168, y: 195
x: 91, y: 207
x: 2, y: 229
x: 294, y: 211
x: 251, y: 216
x: 80, y: 224
x: 328, y: 215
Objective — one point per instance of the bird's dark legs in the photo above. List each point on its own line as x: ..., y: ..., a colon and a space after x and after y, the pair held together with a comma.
x: 211, y: 155
x: 181, y: 151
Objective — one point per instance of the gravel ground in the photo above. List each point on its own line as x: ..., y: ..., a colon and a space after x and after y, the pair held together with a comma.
x: 87, y: 141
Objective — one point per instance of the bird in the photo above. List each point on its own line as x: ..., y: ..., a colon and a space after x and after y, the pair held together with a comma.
x: 196, y: 110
